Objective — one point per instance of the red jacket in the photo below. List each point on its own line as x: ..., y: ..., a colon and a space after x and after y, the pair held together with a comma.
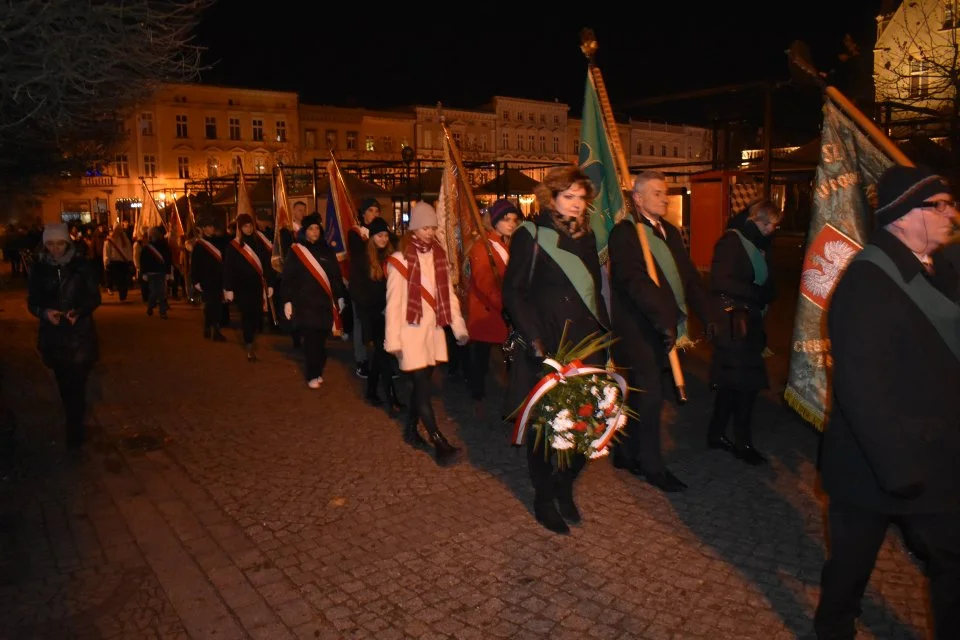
x: 485, y: 296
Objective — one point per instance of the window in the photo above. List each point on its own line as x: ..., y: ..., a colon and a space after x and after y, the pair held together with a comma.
x: 150, y: 166
x: 427, y: 140
x: 543, y: 118
x: 556, y: 121
x: 519, y: 142
x: 331, y: 137
x: 652, y: 152
x: 543, y: 143
x: 121, y: 166
x: 482, y: 144
x: 663, y: 150
x: 260, y: 165
x: 456, y: 139
x: 505, y: 140
x: 531, y: 141
x: 919, y: 78
x: 576, y: 146
x: 639, y: 147
x: 281, y: 130
x: 183, y: 167
x: 676, y: 151
x: 370, y: 145
x: 210, y: 128
x: 519, y: 116
x: 949, y: 15
x: 352, y: 140
x: 310, y: 138
x: 387, y: 143
x: 471, y: 141
x: 146, y: 123
x: 506, y: 116
x: 213, y: 167
x: 258, y: 129
x: 181, y: 126
x: 531, y: 117
x: 556, y: 144
x: 689, y: 151
x: 234, y: 128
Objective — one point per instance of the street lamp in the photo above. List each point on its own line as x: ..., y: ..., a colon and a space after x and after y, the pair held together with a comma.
x: 407, y: 153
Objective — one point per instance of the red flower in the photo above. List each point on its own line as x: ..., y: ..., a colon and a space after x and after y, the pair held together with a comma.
x: 580, y: 426
x: 585, y: 411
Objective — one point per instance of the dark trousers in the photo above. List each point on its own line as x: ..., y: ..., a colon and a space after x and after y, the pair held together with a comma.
x: 855, y: 536
x: 251, y: 318
x: 315, y: 351
x: 176, y: 283
x: 421, y: 407
x: 72, y: 385
x: 479, y: 367
x: 118, y: 278
x: 225, y: 318
x: 157, y: 291
x: 640, y: 440
x: 212, y: 308
x: 736, y: 404
x: 550, y: 482
x: 458, y: 357
x: 144, y: 289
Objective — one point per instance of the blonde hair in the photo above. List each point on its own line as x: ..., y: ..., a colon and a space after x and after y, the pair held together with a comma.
x: 558, y: 180
x: 373, y: 255
x: 765, y: 211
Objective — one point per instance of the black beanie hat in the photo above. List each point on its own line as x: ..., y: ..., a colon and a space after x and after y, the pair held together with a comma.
x: 902, y: 189
x: 378, y: 225
x: 313, y: 218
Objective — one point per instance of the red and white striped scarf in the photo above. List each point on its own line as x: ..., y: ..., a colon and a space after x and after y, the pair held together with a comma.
x: 414, y: 299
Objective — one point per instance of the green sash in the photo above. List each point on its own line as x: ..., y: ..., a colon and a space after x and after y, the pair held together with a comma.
x: 942, y: 312
x: 664, y: 259
x: 571, y: 265
x: 760, y: 273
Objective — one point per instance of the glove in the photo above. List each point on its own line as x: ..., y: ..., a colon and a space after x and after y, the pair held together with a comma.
x: 463, y: 339
x: 269, y: 292
x: 537, y: 348
x: 146, y: 279
x: 669, y: 339
x: 364, y: 233
x: 341, y: 304
x: 288, y: 310
x: 228, y: 296
x: 908, y: 492
x: 198, y: 287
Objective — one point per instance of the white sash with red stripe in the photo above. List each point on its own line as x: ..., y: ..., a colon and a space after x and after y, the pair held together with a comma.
x: 266, y: 240
x: 119, y: 250
x: 209, y: 246
x: 500, y: 251
x: 312, y: 266
x: 247, y: 252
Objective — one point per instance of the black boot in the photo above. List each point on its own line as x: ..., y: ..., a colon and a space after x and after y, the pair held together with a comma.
x: 373, y: 378
x: 251, y: 354
x: 444, y: 452
x: 395, y: 403
x: 544, y: 486
x: 411, y: 434
x: 216, y: 335
x: 564, y: 490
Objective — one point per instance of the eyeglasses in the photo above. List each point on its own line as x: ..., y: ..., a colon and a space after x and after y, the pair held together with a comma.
x: 940, y: 206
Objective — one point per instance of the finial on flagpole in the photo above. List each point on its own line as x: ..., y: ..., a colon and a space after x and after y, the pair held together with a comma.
x: 588, y: 44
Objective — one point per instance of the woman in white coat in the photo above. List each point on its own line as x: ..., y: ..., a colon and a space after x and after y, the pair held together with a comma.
x: 420, y: 303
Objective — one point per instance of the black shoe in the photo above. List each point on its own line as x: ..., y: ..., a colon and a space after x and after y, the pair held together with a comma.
x: 749, y: 455
x: 444, y: 452
x: 251, y: 356
x: 374, y: 400
x: 163, y: 316
x: 363, y: 370
x: 395, y: 403
x: 547, y: 514
x: 411, y: 434
x: 218, y: 337
x: 720, y: 442
x: 149, y: 311
x: 568, y: 509
x: 666, y: 481
x: 633, y: 466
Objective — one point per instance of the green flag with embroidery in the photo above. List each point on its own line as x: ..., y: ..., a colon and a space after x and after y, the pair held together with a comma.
x: 596, y: 160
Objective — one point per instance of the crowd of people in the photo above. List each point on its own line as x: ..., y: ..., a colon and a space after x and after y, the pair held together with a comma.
x: 888, y: 455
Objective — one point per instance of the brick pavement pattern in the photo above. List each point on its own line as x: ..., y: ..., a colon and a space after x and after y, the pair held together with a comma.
x: 223, y: 499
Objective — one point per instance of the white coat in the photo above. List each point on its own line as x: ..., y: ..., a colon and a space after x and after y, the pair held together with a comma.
x: 418, y: 345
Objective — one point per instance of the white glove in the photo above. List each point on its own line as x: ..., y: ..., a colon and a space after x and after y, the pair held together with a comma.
x: 463, y: 339
x: 364, y: 233
x: 146, y: 279
x: 269, y: 292
x: 287, y: 310
x: 198, y: 287
x: 341, y: 304
x: 228, y: 296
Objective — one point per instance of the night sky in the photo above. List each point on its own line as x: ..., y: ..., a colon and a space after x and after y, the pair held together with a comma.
x: 359, y: 61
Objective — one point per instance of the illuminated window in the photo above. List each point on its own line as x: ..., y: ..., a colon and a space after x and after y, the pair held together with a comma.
x: 183, y: 167
x: 370, y: 145
x: 281, y: 131
x: 150, y: 166
x: 919, y: 78
x: 260, y: 165
x: 122, y: 166
x: 351, y: 140
x: 213, y: 167
x: 146, y: 123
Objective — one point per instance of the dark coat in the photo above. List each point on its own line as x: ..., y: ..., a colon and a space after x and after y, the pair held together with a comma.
x: 72, y: 286
x: 739, y: 304
x: 894, y: 423
x: 312, y: 307
x: 204, y: 266
x: 542, y: 308
x: 240, y: 276
x: 150, y: 263
x: 641, y: 310
x: 370, y: 298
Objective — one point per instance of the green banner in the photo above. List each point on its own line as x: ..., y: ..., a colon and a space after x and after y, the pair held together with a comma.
x: 596, y: 160
x: 844, y: 191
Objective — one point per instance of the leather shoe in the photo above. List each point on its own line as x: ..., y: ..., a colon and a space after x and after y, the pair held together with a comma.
x: 720, y: 442
x: 666, y: 481
x: 547, y: 515
x: 633, y: 466
x: 748, y: 454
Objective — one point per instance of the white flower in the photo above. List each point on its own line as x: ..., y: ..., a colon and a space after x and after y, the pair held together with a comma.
x: 610, y: 395
x: 621, y: 420
x: 595, y: 392
x: 599, y: 454
x: 563, y: 421
x: 560, y: 442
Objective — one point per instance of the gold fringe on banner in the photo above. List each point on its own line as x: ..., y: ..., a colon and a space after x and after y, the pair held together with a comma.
x: 806, y: 410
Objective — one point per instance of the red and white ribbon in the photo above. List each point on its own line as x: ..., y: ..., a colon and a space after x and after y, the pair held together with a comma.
x: 573, y: 369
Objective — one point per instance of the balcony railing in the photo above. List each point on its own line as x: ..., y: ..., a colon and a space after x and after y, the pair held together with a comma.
x: 96, y: 181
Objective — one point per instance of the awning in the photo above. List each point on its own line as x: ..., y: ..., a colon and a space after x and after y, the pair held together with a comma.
x: 511, y: 182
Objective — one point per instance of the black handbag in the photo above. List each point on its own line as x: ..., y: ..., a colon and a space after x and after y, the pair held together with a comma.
x: 515, y: 340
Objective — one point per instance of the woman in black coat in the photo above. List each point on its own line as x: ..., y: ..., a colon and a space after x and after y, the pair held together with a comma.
x: 63, y: 292
x: 741, y: 288
x: 540, y: 299
x: 248, y: 279
x: 313, y: 294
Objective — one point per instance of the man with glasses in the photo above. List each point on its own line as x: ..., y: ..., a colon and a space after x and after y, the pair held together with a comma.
x: 891, y: 448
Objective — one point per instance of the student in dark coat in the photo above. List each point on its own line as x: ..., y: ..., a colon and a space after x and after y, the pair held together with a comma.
x: 206, y: 273
x: 313, y: 295
x: 547, y: 257
x: 891, y: 448
x: 155, y: 261
x: 741, y: 285
x: 63, y: 291
x: 248, y: 279
x: 648, y: 320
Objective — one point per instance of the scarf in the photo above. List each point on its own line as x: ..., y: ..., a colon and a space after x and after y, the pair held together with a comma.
x: 571, y: 226
x: 414, y: 299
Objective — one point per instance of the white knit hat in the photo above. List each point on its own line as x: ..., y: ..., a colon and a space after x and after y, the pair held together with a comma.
x: 423, y: 215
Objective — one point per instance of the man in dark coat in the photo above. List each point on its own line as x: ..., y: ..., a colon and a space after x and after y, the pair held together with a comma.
x: 891, y: 447
x: 206, y: 272
x: 155, y: 261
x: 648, y: 319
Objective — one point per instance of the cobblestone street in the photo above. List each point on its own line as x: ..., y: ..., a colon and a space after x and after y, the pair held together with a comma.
x: 223, y: 499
